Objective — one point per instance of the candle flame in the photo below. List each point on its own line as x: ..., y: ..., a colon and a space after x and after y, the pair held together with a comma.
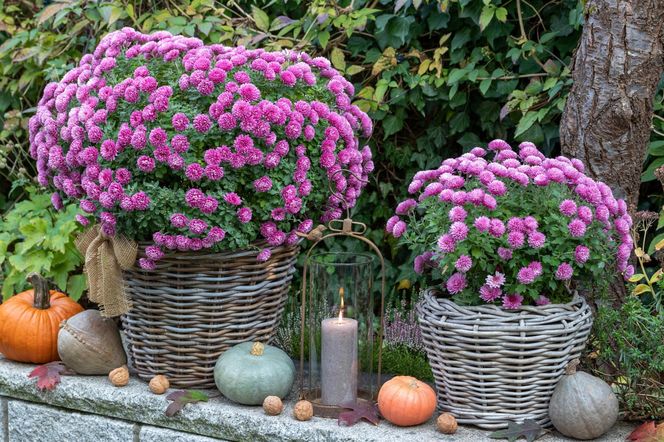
x: 341, y: 304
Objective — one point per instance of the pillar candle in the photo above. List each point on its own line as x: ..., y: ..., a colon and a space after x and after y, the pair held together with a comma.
x: 339, y: 361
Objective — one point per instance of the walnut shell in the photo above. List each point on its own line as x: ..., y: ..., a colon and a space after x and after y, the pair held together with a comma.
x: 119, y: 377
x: 273, y: 405
x: 446, y: 423
x: 159, y: 384
x: 303, y: 411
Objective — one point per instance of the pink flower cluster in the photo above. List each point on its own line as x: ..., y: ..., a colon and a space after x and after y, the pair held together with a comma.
x: 527, y: 219
x: 163, y: 109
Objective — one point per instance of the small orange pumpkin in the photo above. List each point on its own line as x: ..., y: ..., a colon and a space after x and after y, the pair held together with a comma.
x: 405, y: 401
x: 30, y: 321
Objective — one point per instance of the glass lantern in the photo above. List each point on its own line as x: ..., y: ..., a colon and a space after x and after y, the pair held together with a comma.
x: 341, y: 322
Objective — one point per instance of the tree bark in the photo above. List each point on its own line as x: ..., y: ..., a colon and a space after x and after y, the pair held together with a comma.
x: 607, y: 119
x: 608, y: 116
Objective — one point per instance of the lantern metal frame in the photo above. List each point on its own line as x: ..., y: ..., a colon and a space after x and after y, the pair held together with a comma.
x: 346, y: 228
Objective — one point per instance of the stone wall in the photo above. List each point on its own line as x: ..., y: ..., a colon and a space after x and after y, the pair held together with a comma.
x: 90, y: 409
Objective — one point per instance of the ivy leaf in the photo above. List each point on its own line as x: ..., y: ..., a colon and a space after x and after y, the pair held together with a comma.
x: 48, y: 375
x: 358, y: 411
x: 260, y: 18
x: 486, y: 16
x: 647, y: 432
x: 181, y: 398
x: 529, y: 429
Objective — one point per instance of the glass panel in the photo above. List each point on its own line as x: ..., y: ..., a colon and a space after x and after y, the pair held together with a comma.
x: 340, y: 284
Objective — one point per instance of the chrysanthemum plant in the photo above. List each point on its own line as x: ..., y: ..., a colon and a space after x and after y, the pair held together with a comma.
x: 163, y: 139
x: 520, y: 229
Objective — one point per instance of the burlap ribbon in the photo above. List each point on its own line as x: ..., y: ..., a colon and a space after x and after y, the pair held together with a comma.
x: 105, y: 259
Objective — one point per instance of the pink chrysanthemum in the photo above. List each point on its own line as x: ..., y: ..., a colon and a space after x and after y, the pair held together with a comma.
x: 489, y: 294
x: 564, y: 272
x: 577, y: 228
x: 512, y: 301
x: 456, y: 283
x: 496, y: 280
x: 464, y: 263
x: 568, y: 208
x: 581, y: 254
x: 459, y: 231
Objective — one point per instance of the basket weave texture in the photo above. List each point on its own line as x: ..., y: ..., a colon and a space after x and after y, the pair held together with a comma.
x: 493, y: 365
x: 196, y: 305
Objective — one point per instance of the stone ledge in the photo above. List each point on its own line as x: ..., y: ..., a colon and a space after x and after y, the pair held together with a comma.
x: 218, y: 418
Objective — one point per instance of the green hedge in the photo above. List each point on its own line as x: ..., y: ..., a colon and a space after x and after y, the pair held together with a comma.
x: 436, y: 76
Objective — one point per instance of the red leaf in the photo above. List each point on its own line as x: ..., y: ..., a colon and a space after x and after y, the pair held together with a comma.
x: 48, y: 375
x: 358, y: 410
x: 647, y: 432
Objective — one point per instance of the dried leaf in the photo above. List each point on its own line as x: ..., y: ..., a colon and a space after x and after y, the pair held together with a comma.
x: 48, y: 375
x: 181, y: 398
x: 647, y: 432
x: 358, y: 411
x: 529, y: 429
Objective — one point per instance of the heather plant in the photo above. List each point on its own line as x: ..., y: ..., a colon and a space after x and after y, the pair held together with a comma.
x: 521, y: 229
x: 163, y: 139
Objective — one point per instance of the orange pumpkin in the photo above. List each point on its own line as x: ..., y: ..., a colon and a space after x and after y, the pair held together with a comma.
x: 405, y: 401
x: 30, y: 321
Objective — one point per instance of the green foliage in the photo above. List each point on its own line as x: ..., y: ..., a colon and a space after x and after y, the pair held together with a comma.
x: 630, y: 356
x: 402, y: 360
x: 36, y: 238
x: 436, y: 75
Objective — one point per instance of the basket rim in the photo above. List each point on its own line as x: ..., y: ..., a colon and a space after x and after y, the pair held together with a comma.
x: 430, y: 293
x: 253, y: 249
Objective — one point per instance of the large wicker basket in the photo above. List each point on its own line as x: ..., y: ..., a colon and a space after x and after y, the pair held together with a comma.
x: 493, y: 365
x: 194, y: 306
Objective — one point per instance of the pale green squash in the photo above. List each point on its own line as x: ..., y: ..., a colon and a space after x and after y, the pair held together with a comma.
x: 249, y: 372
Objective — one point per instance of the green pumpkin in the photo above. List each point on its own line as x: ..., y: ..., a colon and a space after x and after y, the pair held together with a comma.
x: 249, y: 372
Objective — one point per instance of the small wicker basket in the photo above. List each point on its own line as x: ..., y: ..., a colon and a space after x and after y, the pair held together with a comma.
x: 195, y: 305
x: 493, y: 365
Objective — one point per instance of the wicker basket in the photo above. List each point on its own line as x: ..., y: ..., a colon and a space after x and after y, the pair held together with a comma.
x: 194, y: 306
x: 493, y: 365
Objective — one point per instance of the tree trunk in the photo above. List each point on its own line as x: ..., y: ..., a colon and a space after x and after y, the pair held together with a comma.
x: 620, y: 59
x: 607, y: 119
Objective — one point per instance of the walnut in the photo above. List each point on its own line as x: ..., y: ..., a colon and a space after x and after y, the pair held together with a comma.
x: 446, y: 423
x: 273, y: 405
x: 119, y: 377
x: 159, y: 384
x: 303, y: 411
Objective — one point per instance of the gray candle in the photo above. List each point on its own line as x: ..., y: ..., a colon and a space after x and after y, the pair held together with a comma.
x: 339, y: 361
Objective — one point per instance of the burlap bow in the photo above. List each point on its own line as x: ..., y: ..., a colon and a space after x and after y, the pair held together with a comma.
x: 105, y: 259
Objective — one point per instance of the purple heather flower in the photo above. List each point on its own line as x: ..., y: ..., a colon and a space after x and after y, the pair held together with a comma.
x: 512, y: 301
x: 456, y: 283
x: 564, y: 272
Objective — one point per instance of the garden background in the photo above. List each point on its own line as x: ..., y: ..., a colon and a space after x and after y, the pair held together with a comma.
x: 438, y: 77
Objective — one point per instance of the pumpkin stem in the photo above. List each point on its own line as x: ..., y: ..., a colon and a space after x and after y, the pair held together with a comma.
x: 257, y: 349
x: 42, y: 295
x: 571, y: 367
